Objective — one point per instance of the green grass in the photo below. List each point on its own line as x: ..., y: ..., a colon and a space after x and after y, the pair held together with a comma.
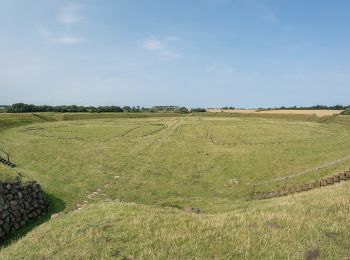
x: 203, y: 162
x: 12, y: 120
x: 165, y: 163
x: 284, y: 228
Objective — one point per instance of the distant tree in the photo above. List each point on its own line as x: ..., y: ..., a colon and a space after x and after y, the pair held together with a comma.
x: 182, y: 110
x: 135, y: 109
x: 346, y: 111
x: 198, y: 110
x: 25, y: 108
x: 127, y: 109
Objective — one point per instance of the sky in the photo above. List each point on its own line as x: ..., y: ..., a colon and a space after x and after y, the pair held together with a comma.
x: 194, y: 53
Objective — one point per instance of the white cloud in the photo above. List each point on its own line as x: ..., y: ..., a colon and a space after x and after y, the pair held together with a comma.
x: 64, y: 39
x: 69, y: 14
x: 168, y: 55
x: 171, y: 38
x: 221, y: 73
x: 152, y: 44
x: 160, y: 45
x: 44, y: 32
x: 69, y: 40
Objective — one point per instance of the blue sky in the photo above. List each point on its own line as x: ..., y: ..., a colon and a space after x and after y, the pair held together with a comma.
x: 198, y: 53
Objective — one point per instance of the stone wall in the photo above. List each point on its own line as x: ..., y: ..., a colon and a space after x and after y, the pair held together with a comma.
x: 19, y: 204
x: 345, y: 176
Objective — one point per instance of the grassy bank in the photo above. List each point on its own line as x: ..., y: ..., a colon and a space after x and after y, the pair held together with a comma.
x: 166, y: 164
x: 299, y: 226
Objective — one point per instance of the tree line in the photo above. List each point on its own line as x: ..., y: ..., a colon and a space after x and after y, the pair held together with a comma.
x: 30, y: 108
x: 317, y: 107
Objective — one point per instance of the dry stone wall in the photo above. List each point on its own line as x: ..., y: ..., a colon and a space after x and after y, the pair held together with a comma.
x: 19, y: 204
x: 345, y: 176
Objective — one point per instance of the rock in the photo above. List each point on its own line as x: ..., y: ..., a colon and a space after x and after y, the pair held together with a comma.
x: 56, y: 215
x: 13, y: 203
x: 7, y: 228
x: 26, y: 205
x: 19, y: 204
x: 16, y: 225
x: 16, y: 214
x: 9, y: 196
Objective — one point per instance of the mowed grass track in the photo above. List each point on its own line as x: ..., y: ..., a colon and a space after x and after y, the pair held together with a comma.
x: 188, y: 161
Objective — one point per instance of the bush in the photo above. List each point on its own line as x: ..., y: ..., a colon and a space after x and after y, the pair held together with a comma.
x: 182, y: 110
x: 198, y: 110
x: 346, y: 111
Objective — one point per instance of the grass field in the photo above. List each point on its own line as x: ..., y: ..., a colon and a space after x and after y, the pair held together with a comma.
x: 166, y: 163
x: 319, y: 113
x: 301, y: 226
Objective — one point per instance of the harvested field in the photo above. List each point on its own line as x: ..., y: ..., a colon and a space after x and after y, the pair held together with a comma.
x: 319, y: 113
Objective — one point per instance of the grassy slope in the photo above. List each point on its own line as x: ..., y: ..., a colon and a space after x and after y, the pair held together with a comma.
x: 316, y: 220
x: 190, y: 163
x: 284, y: 228
x: 8, y: 121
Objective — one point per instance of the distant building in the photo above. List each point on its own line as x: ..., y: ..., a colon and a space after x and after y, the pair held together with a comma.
x: 164, y: 108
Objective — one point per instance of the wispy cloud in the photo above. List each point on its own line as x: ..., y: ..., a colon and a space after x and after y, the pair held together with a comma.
x: 69, y: 40
x: 152, y: 44
x: 171, y: 38
x: 160, y: 45
x: 63, y: 39
x: 70, y: 14
x: 222, y: 69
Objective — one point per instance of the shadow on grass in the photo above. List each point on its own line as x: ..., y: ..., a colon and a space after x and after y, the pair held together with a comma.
x: 55, y: 205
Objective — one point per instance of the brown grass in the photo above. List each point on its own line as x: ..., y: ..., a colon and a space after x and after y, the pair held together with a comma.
x: 319, y: 113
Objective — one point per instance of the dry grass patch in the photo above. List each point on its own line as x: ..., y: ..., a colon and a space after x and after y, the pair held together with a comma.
x: 319, y: 113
